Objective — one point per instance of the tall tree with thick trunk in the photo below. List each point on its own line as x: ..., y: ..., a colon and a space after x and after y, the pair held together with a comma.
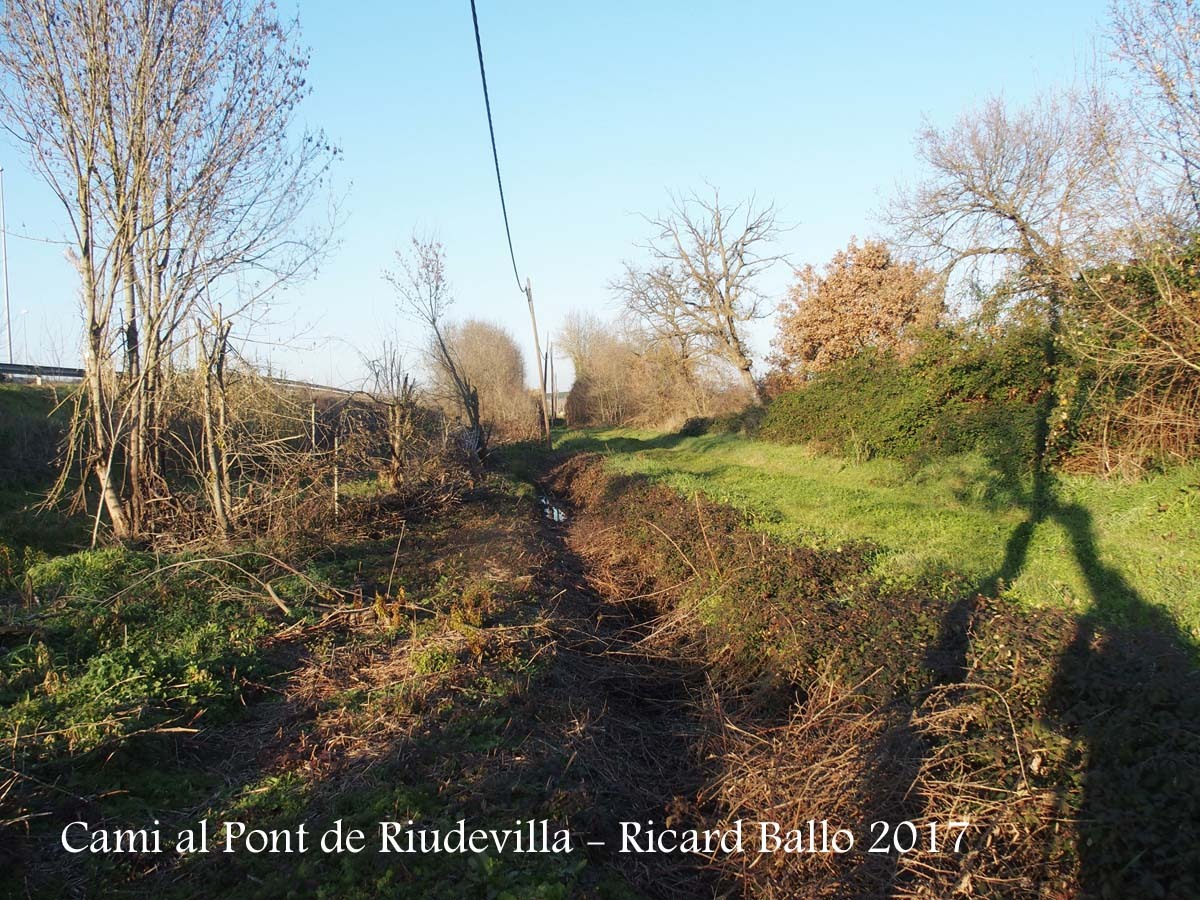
x: 1024, y: 196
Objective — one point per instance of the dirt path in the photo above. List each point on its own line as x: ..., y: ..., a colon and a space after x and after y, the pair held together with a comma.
x: 638, y: 736
x: 480, y: 677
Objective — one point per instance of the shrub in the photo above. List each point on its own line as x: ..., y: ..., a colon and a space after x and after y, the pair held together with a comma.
x: 868, y: 401
x: 962, y: 392
x: 1135, y: 323
x: 865, y: 298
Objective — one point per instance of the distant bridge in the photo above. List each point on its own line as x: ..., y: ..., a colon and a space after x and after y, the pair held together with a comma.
x: 8, y: 370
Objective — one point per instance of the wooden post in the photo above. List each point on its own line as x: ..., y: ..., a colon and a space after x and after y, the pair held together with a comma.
x: 537, y: 347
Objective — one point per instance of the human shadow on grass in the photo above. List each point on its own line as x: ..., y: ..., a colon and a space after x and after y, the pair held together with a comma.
x: 1125, y: 690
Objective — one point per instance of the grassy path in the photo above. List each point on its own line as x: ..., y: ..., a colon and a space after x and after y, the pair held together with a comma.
x: 1125, y: 552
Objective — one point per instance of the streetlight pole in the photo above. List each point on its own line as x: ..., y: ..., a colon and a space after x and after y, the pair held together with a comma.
x: 4, y: 251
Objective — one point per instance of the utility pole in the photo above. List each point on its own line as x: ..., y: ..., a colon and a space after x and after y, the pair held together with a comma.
x: 4, y: 251
x: 537, y: 347
x: 553, y: 389
x: 546, y: 379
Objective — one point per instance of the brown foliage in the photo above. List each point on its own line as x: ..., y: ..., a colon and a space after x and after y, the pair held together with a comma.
x: 700, y: 290
x: 864, y: 299
x: 636, y: 377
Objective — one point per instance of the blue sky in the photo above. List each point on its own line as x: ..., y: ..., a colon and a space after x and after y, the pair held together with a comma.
x: 600, y: 108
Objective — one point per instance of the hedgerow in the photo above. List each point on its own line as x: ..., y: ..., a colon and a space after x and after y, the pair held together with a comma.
x: 962, y: 392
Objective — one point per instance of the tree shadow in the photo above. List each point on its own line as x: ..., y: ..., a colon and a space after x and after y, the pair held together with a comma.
x: 598, y: 442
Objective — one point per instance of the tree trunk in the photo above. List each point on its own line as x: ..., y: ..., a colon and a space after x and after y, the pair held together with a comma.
x: 213, y: 410
x: 757, y: 397
x: 103, y: 438
x: 104, y: 451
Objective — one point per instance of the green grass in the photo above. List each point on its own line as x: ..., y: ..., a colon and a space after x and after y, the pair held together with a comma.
x: 118, y: 648
x: 1126, y: 553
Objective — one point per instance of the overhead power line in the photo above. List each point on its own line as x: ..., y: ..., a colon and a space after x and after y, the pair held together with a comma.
x: 526, y: 289
x: 40, y: 240
x: 495, y: 155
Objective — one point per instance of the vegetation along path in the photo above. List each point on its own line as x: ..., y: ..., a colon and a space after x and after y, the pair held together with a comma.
x: 435, y: 664
x: 597, y: 638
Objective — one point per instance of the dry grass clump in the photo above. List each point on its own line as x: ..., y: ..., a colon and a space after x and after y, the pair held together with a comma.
x: 364, y: 699
x: 1018, y: 841
x: 841, y: 758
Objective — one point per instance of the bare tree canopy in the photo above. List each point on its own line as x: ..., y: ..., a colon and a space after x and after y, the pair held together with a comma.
x: 701, y: 286
x: 1026, y: 191
x: 626, y: 374
x: 1056, y: 199
x: 580, y: 337
x: 1159, y: 41
x: 423, y: 292
x: 167, y: 131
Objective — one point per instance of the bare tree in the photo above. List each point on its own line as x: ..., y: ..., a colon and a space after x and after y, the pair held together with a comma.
x: 1023, y: 193
x: 579, y: 335
x: 393, y: 388
x: 655, y: 314
x: 608, y: 388
x: 603, y: 391
x: 1159, y: 41
x: 166, y: 130
x: 1024, y: 197
x: 215, y: 417
x: 701, y: 287
x: 424, y: 294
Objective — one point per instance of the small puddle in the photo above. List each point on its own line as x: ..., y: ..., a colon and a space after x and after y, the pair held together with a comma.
x: 552, y: 510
